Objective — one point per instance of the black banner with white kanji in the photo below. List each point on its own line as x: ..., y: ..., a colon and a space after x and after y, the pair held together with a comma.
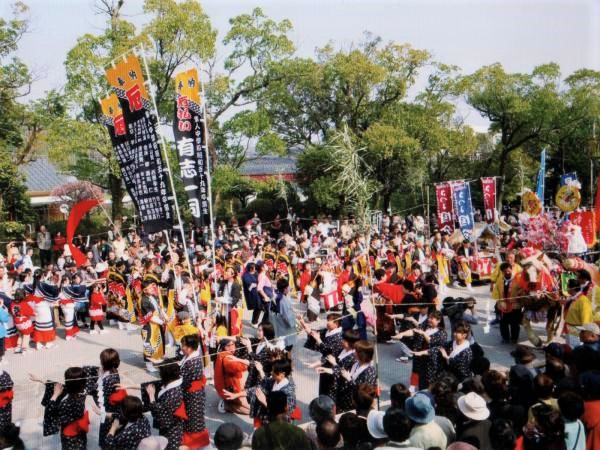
x: 190, y: 141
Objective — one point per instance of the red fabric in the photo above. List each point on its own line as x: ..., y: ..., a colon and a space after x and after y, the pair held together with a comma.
x: 331, y: 299
x: 342, y: 279
x: 43, y: 336
x: 414, y: 379
x: 197, y: 385
x: 81, y: 425
x: 304, y: 280
x: 72, y: 331
x: 6, y: 397
x: 180, y: 412
x: 591, y: 420
x: 97, y: 300
x: 117, y: 397
x: 116, y: 288
x: 235, y: 322
x: 296, y: 414
x: 392, y: 292
x: 59, y: 243
x: 77, y: 213
x: 228, y: 373
x: 257, y: 423
x: 196, y: 440
x: 519, y: 444
x: 11, y: 341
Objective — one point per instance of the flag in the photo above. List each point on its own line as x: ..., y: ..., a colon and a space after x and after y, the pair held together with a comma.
x: 539, y: 191
x: 567, y: 178
x: 488, y: 186
x: 190, y: 140
x: 461, y: 194
x: 586, y: 220
x: 140, y: 159
x: 443, y: 195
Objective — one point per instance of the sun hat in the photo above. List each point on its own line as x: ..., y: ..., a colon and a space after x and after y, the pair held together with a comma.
x: 473, y: 406
x: 419, y: 408
x: 375, y: 424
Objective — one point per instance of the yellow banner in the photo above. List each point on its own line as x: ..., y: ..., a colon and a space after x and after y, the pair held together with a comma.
x: 187, y: 84
x: 110, y: 106
x: 126, y: 75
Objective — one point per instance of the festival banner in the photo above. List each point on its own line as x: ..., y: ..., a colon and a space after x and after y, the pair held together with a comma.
x: 597, y: 204
x: 443, y: 194
x: 567, y: 178
x: 541, y: 178
x: 461, y: 194
x: 140, y: 159
x: 190, y: 139
x: 585, y: 220
x: 488, y: 185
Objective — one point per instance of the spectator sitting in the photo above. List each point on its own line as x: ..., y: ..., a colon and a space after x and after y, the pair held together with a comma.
x: 397, y: 426
x: 228, y: 437
x: 328, y: 435
x: 278, y: 433
x: 426, y: 433
x: 475, y: 427
x: 398, y: 395
x: 351, y: 429
x: 319, y: 409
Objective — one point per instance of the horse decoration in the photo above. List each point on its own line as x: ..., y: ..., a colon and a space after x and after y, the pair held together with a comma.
x: 536, y: 290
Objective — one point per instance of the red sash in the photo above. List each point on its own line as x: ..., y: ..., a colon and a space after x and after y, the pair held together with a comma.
x: 81, y: 425
x: 6, y: 397
x: 180, y: 412
x: 196, y: 440
x: 296, y: 414
x: 197, y: 385
x: 117, y: 397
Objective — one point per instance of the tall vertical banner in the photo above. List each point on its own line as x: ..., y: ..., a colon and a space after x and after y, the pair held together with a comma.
x: 597, y: 204
x: 190, y: 139
x: 541, y: 178
x: 488, y: 185
x: 461, y: 194
x: 443, y: 195
x: 140, y: 160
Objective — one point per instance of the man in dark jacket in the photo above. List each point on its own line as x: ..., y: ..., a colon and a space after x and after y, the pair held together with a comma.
x: 249, y: 282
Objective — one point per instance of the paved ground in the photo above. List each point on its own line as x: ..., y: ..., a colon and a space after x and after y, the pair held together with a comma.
x: 85, y: 349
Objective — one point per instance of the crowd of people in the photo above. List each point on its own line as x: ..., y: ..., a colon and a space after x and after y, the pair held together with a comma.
x: 386, y: 286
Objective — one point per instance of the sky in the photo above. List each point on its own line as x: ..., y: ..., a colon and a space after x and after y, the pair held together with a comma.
x: 519, y: 34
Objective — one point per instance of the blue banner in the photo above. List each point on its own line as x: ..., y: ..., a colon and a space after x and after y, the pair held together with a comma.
x: 568, y: 178
x: 539, y: 191
x: 461, y: 194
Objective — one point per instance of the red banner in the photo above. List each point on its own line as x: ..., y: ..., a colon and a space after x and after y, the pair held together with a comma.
x: 488, y: 186
x: 587, y: 222
x: 77, y: 213
x: 443, y: 195
x: 597, y: 204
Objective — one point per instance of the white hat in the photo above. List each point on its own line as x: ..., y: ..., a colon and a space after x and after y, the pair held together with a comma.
x: 594, y: 328
x: 375, y: 424
x: 473, y: 406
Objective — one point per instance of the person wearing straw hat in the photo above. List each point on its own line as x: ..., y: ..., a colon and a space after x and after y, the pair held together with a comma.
x: 475, y: 426
x: 426, y: 433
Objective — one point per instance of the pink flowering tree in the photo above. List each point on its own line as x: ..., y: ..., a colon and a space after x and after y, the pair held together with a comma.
x: 72, y: 193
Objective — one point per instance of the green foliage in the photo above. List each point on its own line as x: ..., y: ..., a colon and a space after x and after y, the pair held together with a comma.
x: 15, y: 208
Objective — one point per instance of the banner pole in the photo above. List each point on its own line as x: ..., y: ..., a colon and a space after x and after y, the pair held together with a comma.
x: 166, y: 156
x: 207, y: 174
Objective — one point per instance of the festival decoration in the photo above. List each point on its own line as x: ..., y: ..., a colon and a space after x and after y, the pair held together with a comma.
x: 568, y: 198
x: 531, y: 203
x: 543, y: 232
x: 586, y: 220
x: 461, y: 194
x: 77, y: 212
x: 443, y: 194
x: 488, y: 186
x: 568, y: 178
x: 136, y: 144
x: 190, y: 139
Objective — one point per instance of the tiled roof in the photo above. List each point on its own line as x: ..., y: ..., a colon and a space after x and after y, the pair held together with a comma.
x: 43, y: 176
x: 269, y: 165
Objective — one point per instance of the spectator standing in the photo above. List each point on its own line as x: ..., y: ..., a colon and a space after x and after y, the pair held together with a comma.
x: 44, y: 243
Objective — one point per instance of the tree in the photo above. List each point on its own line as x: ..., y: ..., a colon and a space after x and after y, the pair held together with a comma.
x: 73, y: 193
x: 521, y: 108
x: 15, y: 208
